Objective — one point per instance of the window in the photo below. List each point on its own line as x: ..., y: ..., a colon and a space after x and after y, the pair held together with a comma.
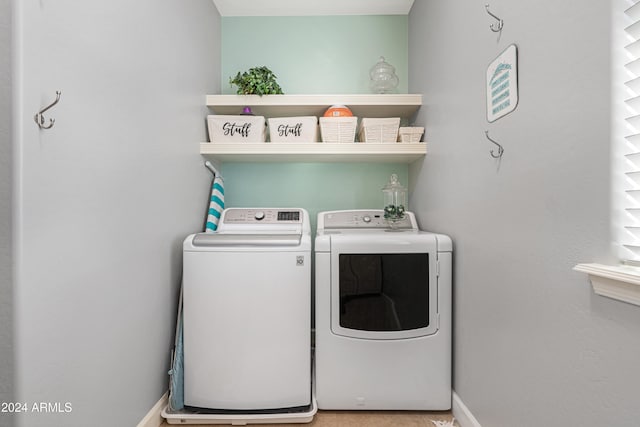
x: 622, y: 282
x: 626, y: 110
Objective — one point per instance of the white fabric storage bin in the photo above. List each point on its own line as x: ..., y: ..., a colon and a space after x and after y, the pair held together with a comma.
x: 338, y: 129
x: 410, y: 134
x: 293, y: 129
x: 236, y: 128
x: 379, y: 130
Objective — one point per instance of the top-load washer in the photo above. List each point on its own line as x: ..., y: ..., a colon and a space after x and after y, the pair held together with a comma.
x: 247, y: 312
x: 383, y: 313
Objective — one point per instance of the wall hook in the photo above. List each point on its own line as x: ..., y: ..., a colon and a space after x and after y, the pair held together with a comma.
x: 495, y: 27
x: 39, y: 118
x: 500, y: 149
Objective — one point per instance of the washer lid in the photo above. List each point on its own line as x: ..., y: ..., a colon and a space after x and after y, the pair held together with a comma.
x: 246, y: 239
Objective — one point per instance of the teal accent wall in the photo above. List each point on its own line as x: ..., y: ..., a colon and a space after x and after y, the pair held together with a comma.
x: 314, y: 186
x: 326, y: 54
x: 315, y: 54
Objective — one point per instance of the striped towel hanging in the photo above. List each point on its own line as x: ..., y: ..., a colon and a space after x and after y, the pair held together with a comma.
x: 216, y: 205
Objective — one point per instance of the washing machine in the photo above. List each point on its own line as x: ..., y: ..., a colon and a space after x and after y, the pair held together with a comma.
x: 382, y: 313
x: 247, y: 313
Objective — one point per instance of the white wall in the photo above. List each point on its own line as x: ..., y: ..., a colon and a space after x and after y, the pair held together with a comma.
x: 105, y: 197
x: 532, y: 344
x: 6, y: 311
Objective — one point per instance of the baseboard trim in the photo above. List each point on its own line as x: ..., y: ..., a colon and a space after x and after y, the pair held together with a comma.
x: 154, y: 417
x: 462, y: 414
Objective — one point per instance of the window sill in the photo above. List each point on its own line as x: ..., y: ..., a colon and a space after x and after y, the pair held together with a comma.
x: 618, y: 282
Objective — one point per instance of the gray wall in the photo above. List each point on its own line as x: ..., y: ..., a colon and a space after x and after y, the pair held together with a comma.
x: 532, y: 344
x: 105, y: 198
x: 6, y: 311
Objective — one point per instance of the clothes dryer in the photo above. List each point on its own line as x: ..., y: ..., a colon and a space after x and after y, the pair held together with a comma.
x: 383, y: 313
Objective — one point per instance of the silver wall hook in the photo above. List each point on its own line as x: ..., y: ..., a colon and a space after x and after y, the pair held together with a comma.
x: 39, y: 118
x: 500, y: 149
x: 497, y: 26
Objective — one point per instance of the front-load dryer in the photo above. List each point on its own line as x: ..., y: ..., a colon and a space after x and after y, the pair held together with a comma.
x: 383, y: 313
x: 247, y: 313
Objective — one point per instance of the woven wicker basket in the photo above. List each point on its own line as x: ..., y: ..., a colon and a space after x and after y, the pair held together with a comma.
x: 379, y: 130
x: 410, y: 134
x: 338, y: 129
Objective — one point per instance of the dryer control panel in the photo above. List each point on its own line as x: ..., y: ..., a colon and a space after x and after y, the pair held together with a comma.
x: 364, y: 219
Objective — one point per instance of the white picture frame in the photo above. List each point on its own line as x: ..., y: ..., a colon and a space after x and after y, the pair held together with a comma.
x: 502, y: 84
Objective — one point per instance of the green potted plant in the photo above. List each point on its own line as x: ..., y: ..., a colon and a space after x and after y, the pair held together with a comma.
x: 256, y: 81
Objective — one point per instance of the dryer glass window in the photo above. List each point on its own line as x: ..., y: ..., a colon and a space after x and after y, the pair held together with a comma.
x: 384, y: 292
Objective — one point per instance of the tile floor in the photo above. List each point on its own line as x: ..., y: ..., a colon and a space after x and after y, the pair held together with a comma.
x: 366, y: 419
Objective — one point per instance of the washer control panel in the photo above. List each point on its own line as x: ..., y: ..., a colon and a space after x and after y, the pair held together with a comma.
x: 365, y: 219
x: 264, y: 216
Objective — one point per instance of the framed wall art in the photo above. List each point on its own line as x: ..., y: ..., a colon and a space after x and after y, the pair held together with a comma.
x: 502, y: 84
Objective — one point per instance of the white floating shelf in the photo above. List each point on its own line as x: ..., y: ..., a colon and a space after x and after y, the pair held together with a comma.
x: 362, y: 105
x: 314, y: 152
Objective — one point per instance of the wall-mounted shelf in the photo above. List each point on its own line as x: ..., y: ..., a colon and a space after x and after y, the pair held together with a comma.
x: 314, y: 152
x: 362, y: 105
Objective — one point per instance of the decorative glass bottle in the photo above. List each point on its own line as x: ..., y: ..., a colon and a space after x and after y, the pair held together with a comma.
x: 383, y: 78
x: 395, y: 200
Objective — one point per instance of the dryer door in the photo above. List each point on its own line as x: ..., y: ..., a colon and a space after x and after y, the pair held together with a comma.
x: 384, y: 286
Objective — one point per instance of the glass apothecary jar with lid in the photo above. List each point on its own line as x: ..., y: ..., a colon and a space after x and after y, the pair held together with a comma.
x: 395, y: 200
x: 382, y: 77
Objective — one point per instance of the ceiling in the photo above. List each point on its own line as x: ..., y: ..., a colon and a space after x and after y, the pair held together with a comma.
x: 312, y: 7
